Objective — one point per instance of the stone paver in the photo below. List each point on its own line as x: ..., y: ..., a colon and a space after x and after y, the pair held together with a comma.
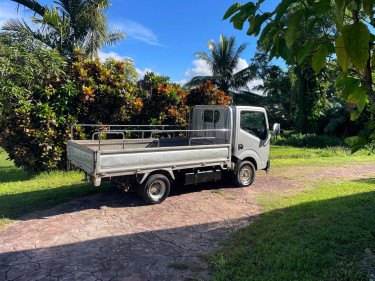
x: 115, y: 236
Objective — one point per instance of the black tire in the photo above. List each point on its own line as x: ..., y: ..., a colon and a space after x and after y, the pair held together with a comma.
x: 245, y: 175
x: 155, y: 189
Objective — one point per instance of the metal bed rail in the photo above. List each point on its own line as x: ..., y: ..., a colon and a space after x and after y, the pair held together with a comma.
x: 158, y: 131
x: 121, y: 126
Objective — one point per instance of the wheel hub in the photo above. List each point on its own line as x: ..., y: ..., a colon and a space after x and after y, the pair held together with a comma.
x: 157, y: 189
x: 245, y: 175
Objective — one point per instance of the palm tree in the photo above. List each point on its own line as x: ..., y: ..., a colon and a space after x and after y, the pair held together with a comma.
x: 69, y: 25
x: 222, y: 61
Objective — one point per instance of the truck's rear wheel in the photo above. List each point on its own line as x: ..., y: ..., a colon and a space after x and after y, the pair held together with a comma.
x: 155, y: 189
x: 245, y: 174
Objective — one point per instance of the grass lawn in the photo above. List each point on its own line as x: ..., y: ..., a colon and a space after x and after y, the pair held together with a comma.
x: 21, y: 194
x: 323, y: 233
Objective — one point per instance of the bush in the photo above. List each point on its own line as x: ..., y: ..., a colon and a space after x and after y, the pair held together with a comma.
x: 307, y: 140
x: 42, y: 96
x: 168, y: 103
x: 207, y: 94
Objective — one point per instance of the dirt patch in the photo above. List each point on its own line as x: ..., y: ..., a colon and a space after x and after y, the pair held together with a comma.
x: 353, y: 171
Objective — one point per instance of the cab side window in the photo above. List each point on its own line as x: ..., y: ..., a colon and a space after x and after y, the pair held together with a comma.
x: 254, y: 123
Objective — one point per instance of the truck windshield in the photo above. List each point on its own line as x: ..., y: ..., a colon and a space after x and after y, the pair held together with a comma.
x: 254, y: 123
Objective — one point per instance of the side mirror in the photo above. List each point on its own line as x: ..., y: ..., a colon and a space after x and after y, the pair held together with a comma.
x: 276, y: 129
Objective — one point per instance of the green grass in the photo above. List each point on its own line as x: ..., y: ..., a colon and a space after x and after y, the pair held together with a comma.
x: 322, y: 233
x: 21, y: 194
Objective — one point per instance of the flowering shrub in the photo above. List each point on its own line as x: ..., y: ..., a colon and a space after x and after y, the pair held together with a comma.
x: 41, y: 97
x: 105, y: 95
x: 164, y: 105
x: 207, y: 94
x: 167, y: 103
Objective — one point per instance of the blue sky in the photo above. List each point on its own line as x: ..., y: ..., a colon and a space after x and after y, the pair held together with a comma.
x: 163, y: 36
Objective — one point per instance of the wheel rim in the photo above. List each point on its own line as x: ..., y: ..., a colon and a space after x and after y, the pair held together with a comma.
x: 246, y: 175
x: 157, y: 190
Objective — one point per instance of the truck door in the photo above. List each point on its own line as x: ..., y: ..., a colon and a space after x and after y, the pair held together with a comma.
x: 253, y: 137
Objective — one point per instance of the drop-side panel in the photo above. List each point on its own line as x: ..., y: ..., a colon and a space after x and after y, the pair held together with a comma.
x: 81, y: 157
x: 159, y: 159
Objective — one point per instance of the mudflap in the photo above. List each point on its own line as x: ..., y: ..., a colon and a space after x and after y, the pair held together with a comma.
x: 267, y: 168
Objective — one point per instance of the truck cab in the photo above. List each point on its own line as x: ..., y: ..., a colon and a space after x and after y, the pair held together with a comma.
x: 250, y: 133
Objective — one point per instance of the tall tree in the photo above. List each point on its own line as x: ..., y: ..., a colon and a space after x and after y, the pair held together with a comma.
x: 279, y: 90
x: 223, y: 60
x: 348, y: 38
x: 69, y: 25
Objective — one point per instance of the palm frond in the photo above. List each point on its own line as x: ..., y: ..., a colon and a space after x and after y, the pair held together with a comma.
x: 114, y: 37
x: 197, y: 80
x: 32, y: 5
x: 16, y: 25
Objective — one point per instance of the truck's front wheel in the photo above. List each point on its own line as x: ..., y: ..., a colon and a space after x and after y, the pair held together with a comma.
x: 245, y: 174
x: 155, y: 189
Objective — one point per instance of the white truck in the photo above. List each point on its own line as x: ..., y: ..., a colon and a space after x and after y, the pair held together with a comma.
x: 217, y: 140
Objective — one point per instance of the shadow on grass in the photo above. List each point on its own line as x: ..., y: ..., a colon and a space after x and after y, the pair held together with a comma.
x: 331, y: 239
x: 365, y: 180
x: 15, y: 206
x: 12, y: 174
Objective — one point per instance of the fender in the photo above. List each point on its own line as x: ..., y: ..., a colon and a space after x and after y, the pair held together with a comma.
x: 145, y: 175
x: 250, y: 154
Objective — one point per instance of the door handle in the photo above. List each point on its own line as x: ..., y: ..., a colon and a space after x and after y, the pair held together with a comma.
x: 240, y: 146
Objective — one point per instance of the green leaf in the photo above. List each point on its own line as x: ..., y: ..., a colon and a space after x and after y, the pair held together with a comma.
x: 232, y: 9
x: 356, y: 143
x: 282, y: 8
x: 249, y: 9
x: 305, y: 51
x: 341, y: 54
x: 351, y: 84
x: 356, y: 41
x: 319, y: 58
x: 320, y: 7
x: 284, y: 51
x: 357, y: 95
x: 368, y: 6
x: 338, y: 15
x: 265, y: 31
x: 256, y: 23
x: 329, y: 45
x: 238, y: 20
x: 341, y: 80
x: 293, y: 28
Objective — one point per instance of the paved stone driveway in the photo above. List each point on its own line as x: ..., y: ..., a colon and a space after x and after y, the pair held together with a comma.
x: 115, y: 236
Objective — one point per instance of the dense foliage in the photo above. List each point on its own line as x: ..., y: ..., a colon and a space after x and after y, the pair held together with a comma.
x: 314, y: 33
x: 41, y: 96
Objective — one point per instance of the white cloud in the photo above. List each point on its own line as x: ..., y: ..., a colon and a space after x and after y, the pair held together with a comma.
x: 201, y: 69
x: 254, y: 83
x: 242, y: 64
x: 142, y: 72
x: 103, y: 56
x: 139, y: 32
